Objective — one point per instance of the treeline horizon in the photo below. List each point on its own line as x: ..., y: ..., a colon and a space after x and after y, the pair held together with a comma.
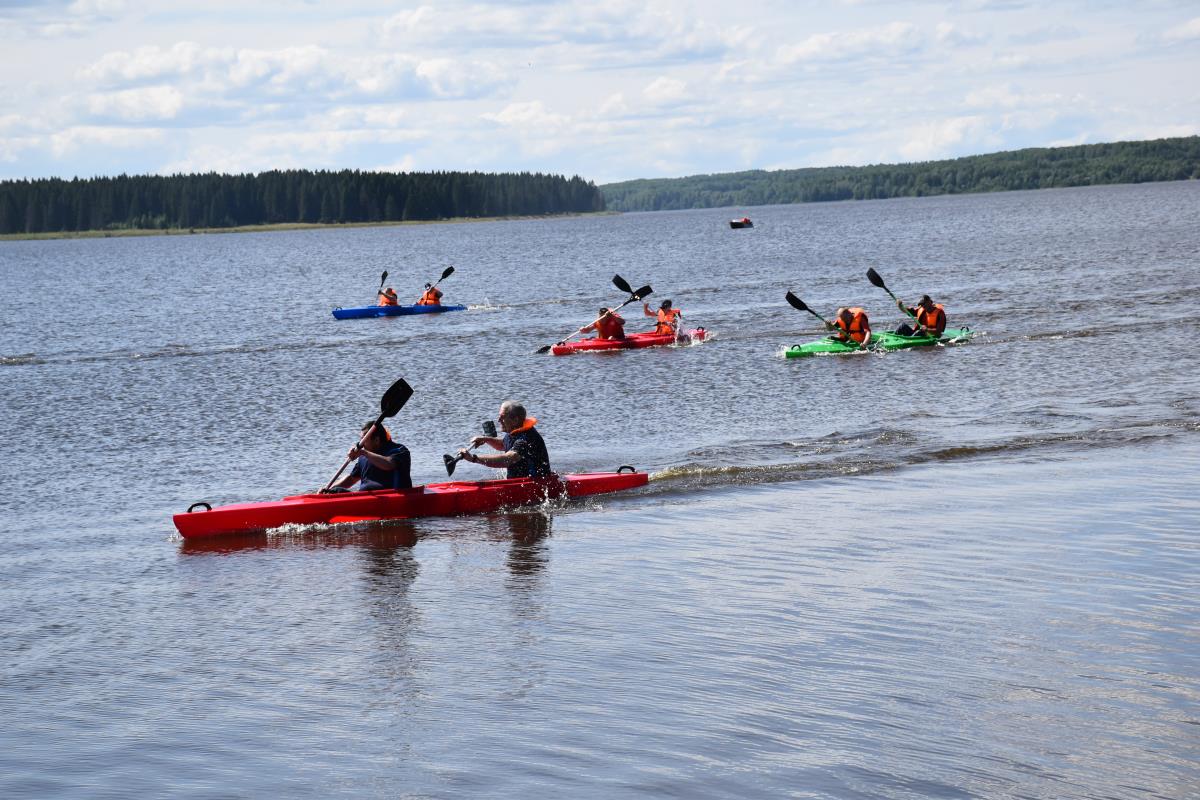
x: 1031, y: 168
x: 212, y: 200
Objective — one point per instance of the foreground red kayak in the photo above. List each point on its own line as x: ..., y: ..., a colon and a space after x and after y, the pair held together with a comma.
x: 634, y: 341
x: 430, y: 500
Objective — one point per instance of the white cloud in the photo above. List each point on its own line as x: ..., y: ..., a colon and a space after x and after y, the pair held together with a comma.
x: 951, y: 34
x: 881, y: 42
x: 664, y: 91
x: 1184, y: 32
x: 943, y: 138
x: 138, y: 105
x: 81, y: 137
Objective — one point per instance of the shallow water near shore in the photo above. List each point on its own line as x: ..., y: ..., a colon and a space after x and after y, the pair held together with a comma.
x: 966, y: 571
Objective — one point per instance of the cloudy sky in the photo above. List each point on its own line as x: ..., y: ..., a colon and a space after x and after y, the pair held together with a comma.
x: 608, y: 90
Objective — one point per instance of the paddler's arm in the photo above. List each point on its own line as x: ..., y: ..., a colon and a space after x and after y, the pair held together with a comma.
x: 866, y: 337
x: 646, y: 310
x: 378, y: 461
x: 489, y: 460
x: 491, y: 441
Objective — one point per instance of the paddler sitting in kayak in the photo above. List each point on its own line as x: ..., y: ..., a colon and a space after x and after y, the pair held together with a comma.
x: 851, y: 324
x: 380, y: 463
x: 667, y: 318
x: 388, y: 297
x: 432, y: 296
x: 929, y: 316
x: 610, y: 325
x: 522, y: 450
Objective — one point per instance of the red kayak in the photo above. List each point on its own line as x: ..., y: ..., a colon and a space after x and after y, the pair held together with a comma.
x: 430, y: 500
x: 634, y: 341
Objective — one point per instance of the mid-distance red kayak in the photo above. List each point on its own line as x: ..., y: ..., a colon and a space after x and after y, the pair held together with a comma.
x: 634, y: 341
x: 431, y: 500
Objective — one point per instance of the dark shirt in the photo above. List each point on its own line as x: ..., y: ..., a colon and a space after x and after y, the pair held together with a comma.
x: 534, y: 461
x: 372, y: 477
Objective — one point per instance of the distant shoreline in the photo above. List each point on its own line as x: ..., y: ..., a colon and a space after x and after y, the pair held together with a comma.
x: 281, y: 226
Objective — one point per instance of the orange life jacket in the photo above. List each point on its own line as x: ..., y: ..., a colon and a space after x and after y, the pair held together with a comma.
x: 857, y: 329
x: 526, y: 425
x: 667, y: 321
x: 431, y: 297
x: 934, y: 320
x: 611, y: 327
x: 388, y: 298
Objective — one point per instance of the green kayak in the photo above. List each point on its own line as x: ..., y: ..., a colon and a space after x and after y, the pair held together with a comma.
x: 878, y: 341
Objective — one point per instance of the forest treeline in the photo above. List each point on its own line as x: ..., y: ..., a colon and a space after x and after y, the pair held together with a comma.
x: 211, y: 200
x: 1033, y: 168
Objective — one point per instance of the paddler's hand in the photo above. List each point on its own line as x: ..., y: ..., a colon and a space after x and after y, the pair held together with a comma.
x: 465, y: 454
x: 478, y: 440
x: 356, y: 451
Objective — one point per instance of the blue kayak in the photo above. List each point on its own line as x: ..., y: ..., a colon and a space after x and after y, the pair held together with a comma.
x: 365, y: 312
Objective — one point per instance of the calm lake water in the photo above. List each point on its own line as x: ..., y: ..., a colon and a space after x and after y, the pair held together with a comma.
x: 969, y: 571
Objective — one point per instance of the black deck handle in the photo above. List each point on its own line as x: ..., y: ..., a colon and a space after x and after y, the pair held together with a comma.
x: 624, y: 467
x: 193, y: 506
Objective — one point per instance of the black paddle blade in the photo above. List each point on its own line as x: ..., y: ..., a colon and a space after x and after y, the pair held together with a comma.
x: 543, y: 350
x: 383, y: 277
x: 796, y: 302
x: 395, y: 397
x: 446, y: 273
x: 451, y: 463
x: 643, y: 293
x: 489, y: 429
x: 874, y: 278
x: 622, y: 284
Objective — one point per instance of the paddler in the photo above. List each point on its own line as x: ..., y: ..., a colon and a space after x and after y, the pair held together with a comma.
x: 380, y: 463
x: 522, y: 450
x: 432, y: 296
x: 610, y: 325
x: 930, y: 318
x: 388, y: 297
x: 666, y: 317
x: 851, y: 324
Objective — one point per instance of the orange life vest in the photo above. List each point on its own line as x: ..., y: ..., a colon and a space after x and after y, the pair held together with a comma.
x: 431, y: 297
x: 611, y: 327
x: 388, y: 298
x: 857, y: 329
x: 934, y: 320
x: 667, y: 321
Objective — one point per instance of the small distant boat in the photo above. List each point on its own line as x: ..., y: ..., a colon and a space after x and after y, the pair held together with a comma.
x: 744, y: 222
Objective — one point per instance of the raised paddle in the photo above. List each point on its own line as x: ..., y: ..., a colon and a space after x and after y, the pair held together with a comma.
x: 392, y: 401
x: 382, y: 278
x: 621, y: 284
x: 489, y: 430
x: 799, y: 305
x: 446, y: 273
x: 874, y: 278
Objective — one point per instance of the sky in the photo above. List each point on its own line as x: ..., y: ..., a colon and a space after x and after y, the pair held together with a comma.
x: 610, y: 90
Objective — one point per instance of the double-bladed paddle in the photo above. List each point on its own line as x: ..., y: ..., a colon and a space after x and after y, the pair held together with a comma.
x: 489, y: 429
x: 392, y: 401
x: 446, y: 273
x: 621, y: 284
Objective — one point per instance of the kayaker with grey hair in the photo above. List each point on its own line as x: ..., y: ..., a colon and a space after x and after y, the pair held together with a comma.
x: 522, y: 449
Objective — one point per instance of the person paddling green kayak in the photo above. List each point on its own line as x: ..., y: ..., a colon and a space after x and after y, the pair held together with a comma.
x: 930, y: 318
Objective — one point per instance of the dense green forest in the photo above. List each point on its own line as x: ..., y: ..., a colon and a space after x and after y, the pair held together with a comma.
x: 1034, y: 168
x: 221, y: 201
